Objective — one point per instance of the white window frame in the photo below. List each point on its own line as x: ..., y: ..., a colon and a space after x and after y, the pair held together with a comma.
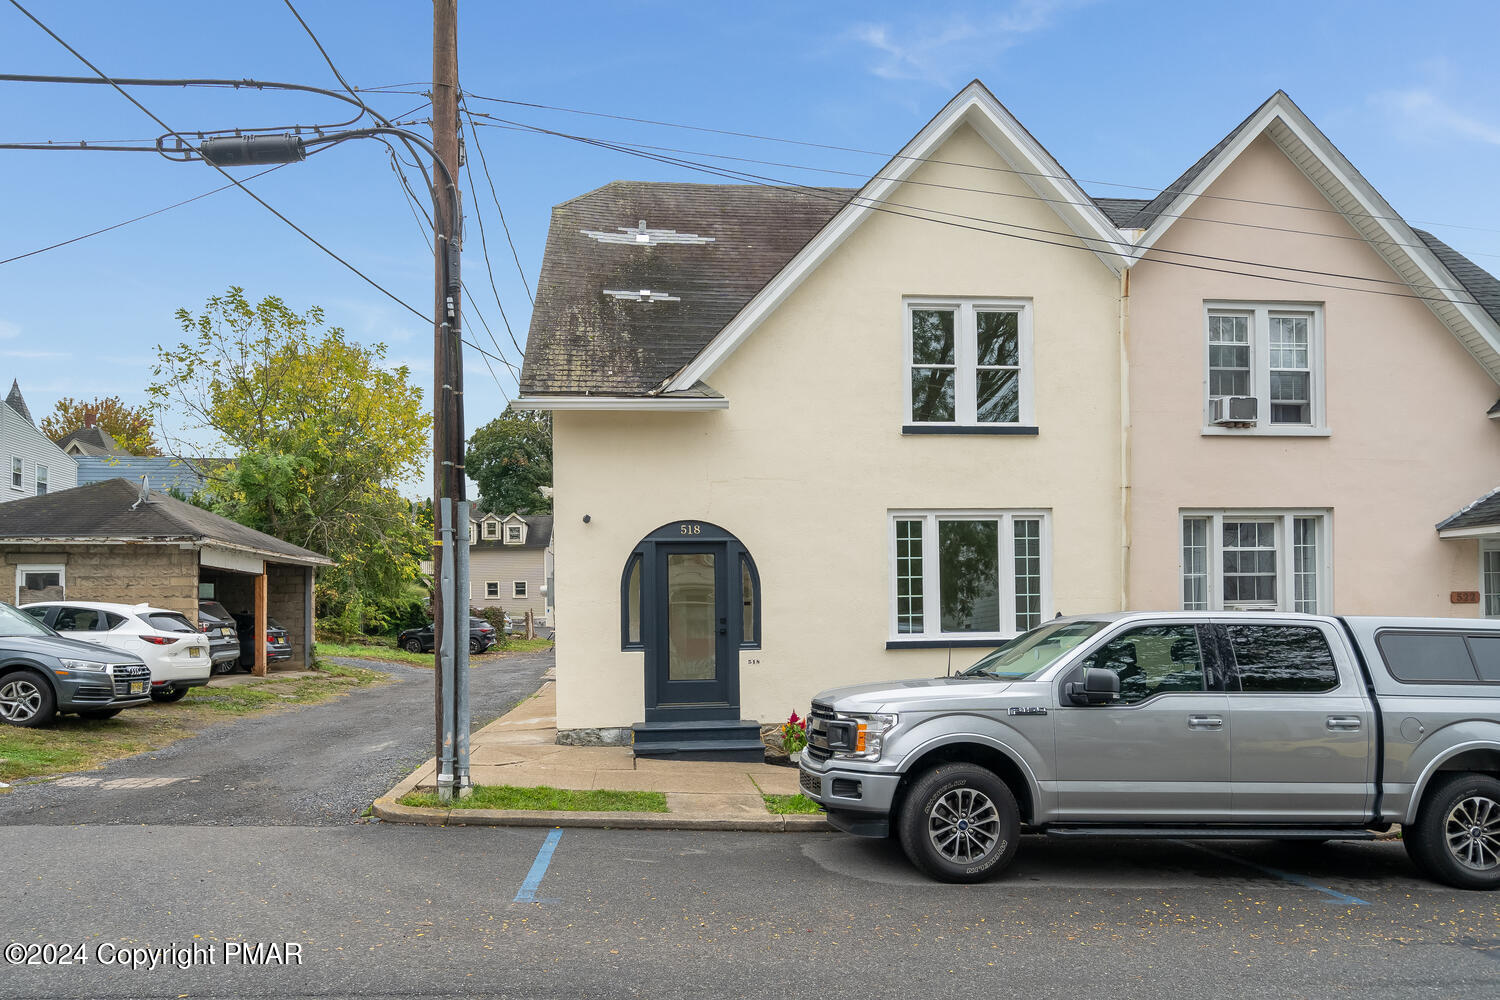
x: 965, y: 360
x: 492, y: 590
x: 24, y: 568
x: 43, y: 479
x: 518, y: 590
x: 932, y: 584
x: 17, y: 473
x: 515, y: 534
x: 1285, y: 563
x: 1260, y: 367
x: 490, y: 529
x: 1486, y: 547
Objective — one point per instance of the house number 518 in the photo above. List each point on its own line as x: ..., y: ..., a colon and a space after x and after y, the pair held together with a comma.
x: 691, y: 529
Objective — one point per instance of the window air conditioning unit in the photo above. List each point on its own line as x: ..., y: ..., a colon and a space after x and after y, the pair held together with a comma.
x: 1231, y: 411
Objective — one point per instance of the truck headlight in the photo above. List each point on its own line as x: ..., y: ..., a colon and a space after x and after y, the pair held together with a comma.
x: 860, y: 737
x: 83, y: 664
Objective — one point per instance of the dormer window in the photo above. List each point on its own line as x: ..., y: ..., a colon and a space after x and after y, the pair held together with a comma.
x: 514, y: 534
x: 490, y: 529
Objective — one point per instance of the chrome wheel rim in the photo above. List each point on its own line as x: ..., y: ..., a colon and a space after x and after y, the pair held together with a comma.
x: 963, y: 825
x: 20, y: 701
x: 1472, y: 832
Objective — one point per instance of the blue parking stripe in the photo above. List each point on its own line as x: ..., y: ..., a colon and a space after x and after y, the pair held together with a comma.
x: 1307, y: 883
x: 539, y: 871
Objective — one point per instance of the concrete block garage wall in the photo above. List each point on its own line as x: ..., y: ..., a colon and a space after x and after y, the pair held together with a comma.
x: 286, y: 594
x: 165, y: 576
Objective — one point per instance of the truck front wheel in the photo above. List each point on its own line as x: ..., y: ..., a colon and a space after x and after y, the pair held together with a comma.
x: 1456, y: 838
x: 959, y: 823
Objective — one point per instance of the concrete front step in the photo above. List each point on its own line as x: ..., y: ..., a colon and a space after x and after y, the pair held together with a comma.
x: 726, y: 739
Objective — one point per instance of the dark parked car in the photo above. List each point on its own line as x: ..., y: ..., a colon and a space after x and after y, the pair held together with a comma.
x: 278, y: 646
x: 43, y: 675
x: 223, y: 635
x: 420, y: 640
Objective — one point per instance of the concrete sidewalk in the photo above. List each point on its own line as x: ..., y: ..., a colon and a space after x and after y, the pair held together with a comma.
x: 520, y: 749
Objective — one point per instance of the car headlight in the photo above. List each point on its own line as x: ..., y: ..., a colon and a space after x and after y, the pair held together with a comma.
x: 860, y: 737
x: 83, y: 664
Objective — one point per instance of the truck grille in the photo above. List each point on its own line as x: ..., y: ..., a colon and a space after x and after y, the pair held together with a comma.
x: 810, y: 784
x: 818, y: 718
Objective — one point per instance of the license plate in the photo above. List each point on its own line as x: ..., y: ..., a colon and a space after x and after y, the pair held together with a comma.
x: 194, y: 651
x: 224, y: 631
x: 137, y: 687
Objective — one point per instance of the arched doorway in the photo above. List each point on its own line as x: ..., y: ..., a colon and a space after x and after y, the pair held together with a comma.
x: 690, y: 601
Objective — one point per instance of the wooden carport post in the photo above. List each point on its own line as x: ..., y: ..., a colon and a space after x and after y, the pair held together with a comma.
x: 259, y: 639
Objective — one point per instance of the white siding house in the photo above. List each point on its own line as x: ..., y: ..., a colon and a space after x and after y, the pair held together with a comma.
x: 31, y: 464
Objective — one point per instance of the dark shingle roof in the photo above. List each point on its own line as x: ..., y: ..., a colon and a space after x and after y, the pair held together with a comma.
x: 538, y: 534
x: 1121, y: 211
x: 1476, y: 280
x: 1482, y: 513
x: 584, y: 341
x: 18, y: 402
x: 94, y: 441
x: 109, y: 510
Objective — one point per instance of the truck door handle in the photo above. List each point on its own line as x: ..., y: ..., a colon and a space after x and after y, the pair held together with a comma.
x: 1205, y: 722
x: 1343, y: 723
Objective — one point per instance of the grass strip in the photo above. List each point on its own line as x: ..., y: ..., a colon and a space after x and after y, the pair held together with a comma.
x: 385, y: 651
x: 787, y: 805
x: 543, y: 798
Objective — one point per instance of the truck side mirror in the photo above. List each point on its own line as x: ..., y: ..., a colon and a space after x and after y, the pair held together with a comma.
x: 1098, y: 687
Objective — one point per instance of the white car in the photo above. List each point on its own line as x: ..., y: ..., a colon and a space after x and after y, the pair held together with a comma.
x: 177, y: 653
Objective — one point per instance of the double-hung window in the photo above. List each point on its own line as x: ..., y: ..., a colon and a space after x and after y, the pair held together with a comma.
x: 16, y: 473
x: 968, y: 574
x: 1271, y: 354
x: 1489, y: 579
x: 1255, y: 559
x: 41, y: 479
x: 968, y: 366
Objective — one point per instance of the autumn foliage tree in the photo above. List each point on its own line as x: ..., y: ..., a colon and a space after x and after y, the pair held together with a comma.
x: 319, y: 430
x: 132, y: 427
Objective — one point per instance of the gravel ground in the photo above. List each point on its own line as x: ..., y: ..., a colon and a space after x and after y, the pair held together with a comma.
x: 314, y: 766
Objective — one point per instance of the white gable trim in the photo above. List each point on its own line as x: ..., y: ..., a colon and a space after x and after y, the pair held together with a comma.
x: 976, y: 107
x: 1375, y: 219
x: 679, y: 403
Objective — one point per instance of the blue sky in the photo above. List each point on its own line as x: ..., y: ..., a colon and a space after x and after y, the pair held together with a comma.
x: 1122, y: 93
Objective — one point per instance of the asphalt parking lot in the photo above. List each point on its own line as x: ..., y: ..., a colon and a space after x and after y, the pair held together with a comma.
x: 380, y: 910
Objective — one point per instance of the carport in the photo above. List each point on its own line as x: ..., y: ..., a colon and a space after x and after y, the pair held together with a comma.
x: 119, y: 541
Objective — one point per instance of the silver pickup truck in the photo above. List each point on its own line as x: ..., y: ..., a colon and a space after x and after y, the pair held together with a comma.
x: 1185, y: 725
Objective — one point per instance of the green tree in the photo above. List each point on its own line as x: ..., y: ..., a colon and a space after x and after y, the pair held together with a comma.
x: 511, y: 458
x: 319, y: 430
x: 130, y: 426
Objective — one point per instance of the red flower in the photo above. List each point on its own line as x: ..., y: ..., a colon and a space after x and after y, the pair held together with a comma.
x: 793, y: 720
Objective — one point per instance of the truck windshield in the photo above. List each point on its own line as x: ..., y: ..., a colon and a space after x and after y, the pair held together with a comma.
x: 1034, y: 651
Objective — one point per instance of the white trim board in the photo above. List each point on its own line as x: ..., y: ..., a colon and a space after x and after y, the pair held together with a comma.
x: 1373, y: 218
x: 696, y: 403
x: 974, y: 106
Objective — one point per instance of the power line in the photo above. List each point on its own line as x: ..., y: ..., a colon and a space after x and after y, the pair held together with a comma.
x: 894, y: 208
x: 326, y: 57
x: 138, y: 218
x: 147, y: 111
x: 484, y: 248
x: 484, y: 164
x: 972, y: 166
x: 503, y: 123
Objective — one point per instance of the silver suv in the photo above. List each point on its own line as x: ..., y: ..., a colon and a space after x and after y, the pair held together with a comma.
x: 1182, y: 725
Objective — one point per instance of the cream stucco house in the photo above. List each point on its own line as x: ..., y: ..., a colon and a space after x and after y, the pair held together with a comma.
x: 809, y: 437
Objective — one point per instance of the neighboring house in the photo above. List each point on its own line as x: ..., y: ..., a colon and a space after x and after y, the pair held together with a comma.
x: 510, y: 565
x: 33, y: 465
x: 160, y: 472
x: 111, y: 541
x: 91, y: 440
x: 805, y: 438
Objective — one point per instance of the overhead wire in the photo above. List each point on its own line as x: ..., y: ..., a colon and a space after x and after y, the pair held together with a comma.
x: 494, y: 121
x: 261, y: 201
x: 484, y: 164
x: 489, y: 268
x: 1157, y: 192
x: 961, y: 221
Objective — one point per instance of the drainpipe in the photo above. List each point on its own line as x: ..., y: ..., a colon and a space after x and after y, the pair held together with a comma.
x: 1125, y: 440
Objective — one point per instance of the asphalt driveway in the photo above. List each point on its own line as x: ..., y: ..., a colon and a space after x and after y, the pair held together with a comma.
x: 315, y: 766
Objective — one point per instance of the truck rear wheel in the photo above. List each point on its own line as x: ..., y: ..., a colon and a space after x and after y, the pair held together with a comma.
x: 1456, y: 838
x: 959, y: 823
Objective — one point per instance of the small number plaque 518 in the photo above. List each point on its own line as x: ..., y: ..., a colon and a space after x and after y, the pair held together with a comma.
x: 690, y: 529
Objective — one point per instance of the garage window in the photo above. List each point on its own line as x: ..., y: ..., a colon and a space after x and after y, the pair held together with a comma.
x: 40, y: 583
x: 519, y: 589
x: 492, y: 589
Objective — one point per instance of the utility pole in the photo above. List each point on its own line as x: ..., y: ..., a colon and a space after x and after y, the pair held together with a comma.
x: 450, y: 604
